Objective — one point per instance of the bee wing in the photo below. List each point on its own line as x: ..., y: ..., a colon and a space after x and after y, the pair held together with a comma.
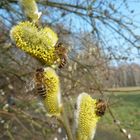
x: 30, y: 85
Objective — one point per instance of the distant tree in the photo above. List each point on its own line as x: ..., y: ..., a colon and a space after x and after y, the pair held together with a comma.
x: 94, y: 31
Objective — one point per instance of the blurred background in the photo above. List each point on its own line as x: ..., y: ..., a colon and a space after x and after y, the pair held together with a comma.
x: 103, y: 43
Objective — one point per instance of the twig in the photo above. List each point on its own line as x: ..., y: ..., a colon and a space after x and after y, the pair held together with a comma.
x: 117, y: 122
x: 64, y: 121
x: 10, y: 135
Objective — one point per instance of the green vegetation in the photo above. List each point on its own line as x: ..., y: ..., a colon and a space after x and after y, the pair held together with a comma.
x: 125, y: 106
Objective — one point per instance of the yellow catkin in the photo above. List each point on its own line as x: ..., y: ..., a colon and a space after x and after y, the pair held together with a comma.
x: 38, y: 43
x: 30, y: 9
x: 52, y: 99
x: 86, y: 118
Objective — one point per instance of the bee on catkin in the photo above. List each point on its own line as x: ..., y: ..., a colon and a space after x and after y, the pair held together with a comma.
x: 87, y: 114
x: 39, y: 43
x: 48, y: 88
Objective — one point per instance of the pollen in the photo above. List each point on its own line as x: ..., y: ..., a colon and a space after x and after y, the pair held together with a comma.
x: 86, y: 118
x: 37, y: 42
x: 52, y: 99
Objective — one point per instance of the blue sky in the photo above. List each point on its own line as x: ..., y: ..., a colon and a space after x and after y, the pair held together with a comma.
x: 79, y: 25
x: 133, y: 7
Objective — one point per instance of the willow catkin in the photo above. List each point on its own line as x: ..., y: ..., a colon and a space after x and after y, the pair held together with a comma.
x: 87, y: 115
x: 39, y: 43
x: 30, y: 9
x: 48, y: 85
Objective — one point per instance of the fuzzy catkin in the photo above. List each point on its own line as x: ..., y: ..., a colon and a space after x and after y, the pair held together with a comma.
x: 30, y: 9
x: 85, y: 117
x: 52, y: 99
x: 37, y: 42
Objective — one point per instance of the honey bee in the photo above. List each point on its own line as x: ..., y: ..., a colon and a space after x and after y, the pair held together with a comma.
x: 61, y: 52
x: 100, y: 107
x: 39, y: 82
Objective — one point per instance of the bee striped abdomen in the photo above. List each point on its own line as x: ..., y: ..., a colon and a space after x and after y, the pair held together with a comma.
x: 41, y: 90
x: 63, y: 62
x: 40, y: 87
